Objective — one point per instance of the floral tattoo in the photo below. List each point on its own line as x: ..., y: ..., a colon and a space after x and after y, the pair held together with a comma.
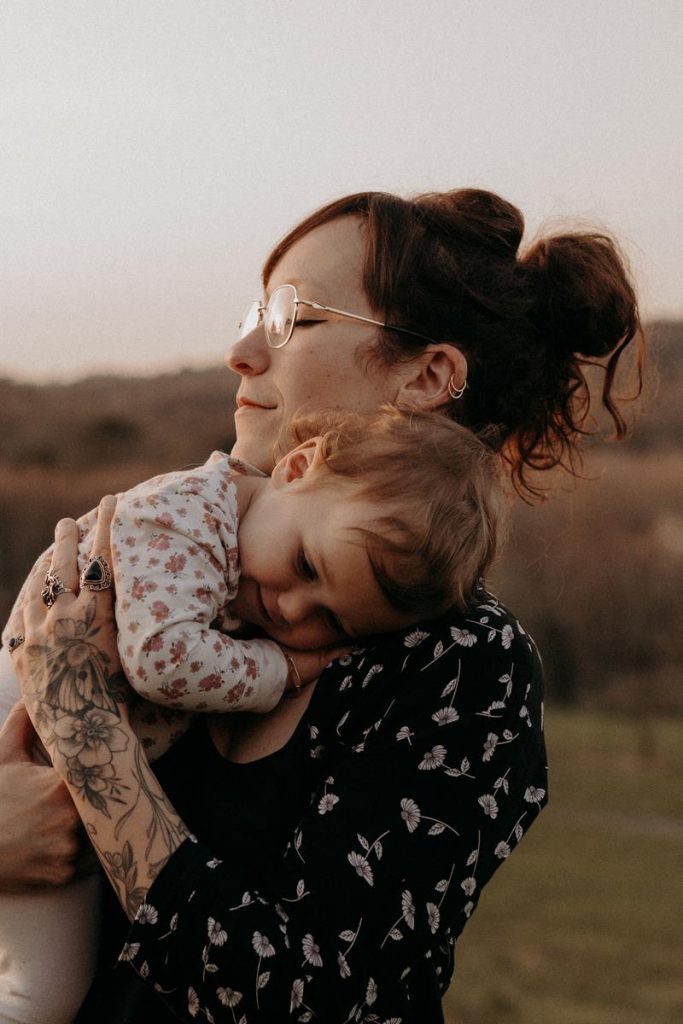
x: 75, y: 703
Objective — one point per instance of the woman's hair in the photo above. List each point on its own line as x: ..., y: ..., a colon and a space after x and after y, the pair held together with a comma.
x: 439, y: 489
x: 446, y: 264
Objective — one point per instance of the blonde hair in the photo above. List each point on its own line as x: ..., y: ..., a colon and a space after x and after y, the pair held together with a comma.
x: 440, y: 485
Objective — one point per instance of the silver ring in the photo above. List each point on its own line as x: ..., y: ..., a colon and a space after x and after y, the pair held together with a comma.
x: 53, y: 589
x: 15, y: 642
x: 96, y: 575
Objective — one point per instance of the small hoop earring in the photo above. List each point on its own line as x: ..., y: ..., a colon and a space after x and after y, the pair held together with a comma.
x: 453, y: 391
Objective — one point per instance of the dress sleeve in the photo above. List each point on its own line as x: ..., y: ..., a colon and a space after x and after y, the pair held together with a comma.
x: 174, y: 543
x: 415, y: 810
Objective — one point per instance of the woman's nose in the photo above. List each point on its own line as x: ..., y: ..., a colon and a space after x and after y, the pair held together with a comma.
x: 248, y: 355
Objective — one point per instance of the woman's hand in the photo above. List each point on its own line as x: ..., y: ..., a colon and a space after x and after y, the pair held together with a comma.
x: 76, y: 696
x: 70, y: 671
x: 39, y: 825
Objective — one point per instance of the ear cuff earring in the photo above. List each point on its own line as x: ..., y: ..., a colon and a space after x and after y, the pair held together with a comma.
x: 454, y: 391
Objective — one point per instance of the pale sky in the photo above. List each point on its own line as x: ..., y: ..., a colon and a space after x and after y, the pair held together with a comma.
x: 151, y: 151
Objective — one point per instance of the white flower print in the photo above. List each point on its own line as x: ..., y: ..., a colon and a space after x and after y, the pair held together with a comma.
x: 217, y: 935
x: 129, y: 951
x: 297, y: 997
x: 146, y: 914
x: 415, y: 638
x: 440, y: 874
x: 507, y: 636
x: 262, y: 945
x: 489, y: 746
x: 372, y: 672
x: 410, y: 813
x: 228, y: 996
x: 362, y: 867
x: 344, y: 968
x: 327, y: 802
x: 213, y: 863
x: 489, y: 804
x: 444, y: 716
x: 192, y: 1002
x: 311, y: 951
x: 433, y: 758
x: 463, y: 637
x: 408, y: 908
x: 433, y: 917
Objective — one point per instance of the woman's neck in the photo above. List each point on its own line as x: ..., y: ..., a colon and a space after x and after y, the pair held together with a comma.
x: 247, y: 487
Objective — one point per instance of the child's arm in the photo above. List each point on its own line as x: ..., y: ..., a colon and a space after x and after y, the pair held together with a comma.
x: 175, y: 551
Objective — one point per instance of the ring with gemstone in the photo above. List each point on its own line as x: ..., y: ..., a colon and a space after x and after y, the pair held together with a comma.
x: 96, y: 575
x: 15, y: 642
x: 53, y: 589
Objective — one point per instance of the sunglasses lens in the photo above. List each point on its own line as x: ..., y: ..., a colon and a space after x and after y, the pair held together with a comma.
x: 280, y: 316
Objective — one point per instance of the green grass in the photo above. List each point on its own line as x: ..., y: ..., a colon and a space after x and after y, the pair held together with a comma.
x: 583, y: 924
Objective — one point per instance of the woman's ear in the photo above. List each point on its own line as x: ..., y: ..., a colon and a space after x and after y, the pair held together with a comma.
x: 428, y: 376
x: 299, y: 463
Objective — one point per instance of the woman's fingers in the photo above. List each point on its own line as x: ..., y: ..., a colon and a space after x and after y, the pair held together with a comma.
x: 101, y: 547
x: 65, y: 553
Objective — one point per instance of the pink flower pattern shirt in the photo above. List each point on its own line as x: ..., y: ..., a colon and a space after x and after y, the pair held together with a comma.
x: 176, y: 569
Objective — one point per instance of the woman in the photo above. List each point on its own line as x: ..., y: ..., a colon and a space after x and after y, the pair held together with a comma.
x: 379, y: 804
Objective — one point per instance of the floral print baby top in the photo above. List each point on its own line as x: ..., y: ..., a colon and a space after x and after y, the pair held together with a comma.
x: 176, y: 568
x: 423, y: 766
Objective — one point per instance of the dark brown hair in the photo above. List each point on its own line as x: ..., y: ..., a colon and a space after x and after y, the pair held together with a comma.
x: 446, y: 264
x: 437, y: 485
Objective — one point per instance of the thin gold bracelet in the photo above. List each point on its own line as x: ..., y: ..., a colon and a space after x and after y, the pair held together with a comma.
x: 293, y: 673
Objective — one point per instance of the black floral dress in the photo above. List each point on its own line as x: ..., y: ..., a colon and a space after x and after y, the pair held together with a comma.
x: 417, y: 768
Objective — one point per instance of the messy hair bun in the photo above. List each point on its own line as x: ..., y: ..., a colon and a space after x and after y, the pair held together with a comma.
x: 447, y: 265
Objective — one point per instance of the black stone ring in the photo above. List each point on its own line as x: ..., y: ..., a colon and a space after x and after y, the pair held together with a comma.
x: 53, y: 589
x: 96, y: 575
x: 14, y: 642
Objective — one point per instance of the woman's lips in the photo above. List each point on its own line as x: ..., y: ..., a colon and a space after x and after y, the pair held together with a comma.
x: 246, y: 403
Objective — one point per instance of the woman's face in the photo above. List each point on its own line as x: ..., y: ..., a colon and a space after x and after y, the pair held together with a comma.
x: 322, y: 365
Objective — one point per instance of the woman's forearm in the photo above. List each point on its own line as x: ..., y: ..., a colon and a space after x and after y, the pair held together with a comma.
x: 132, y: 826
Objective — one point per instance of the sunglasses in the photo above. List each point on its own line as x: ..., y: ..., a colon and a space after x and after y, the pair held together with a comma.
x: 280, y: 313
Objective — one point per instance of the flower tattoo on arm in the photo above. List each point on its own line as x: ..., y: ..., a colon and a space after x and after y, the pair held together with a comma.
x: 79, y: 700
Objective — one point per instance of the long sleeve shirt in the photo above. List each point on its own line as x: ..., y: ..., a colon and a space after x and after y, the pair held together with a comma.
x: 175, y: 564
x: 423, y: 767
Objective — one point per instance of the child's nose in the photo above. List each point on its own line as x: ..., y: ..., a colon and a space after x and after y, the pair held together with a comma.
x: 295, y: 606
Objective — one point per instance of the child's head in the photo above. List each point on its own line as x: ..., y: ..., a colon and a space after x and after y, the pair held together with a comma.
x: 403, y: 510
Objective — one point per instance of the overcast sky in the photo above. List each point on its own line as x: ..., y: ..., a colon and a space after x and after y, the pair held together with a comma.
x: 152, y: 150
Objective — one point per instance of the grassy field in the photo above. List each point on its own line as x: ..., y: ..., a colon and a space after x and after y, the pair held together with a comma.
x: 583, y: 924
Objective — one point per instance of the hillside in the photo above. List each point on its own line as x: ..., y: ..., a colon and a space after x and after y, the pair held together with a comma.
x: 596, y: 573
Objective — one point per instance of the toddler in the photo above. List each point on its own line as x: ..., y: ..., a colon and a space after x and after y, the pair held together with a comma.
x: 371, y: 524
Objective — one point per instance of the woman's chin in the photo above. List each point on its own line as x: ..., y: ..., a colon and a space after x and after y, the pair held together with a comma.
x: 256, y: 446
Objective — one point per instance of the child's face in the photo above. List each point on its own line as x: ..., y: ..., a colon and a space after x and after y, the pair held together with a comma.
x: 306, y: 578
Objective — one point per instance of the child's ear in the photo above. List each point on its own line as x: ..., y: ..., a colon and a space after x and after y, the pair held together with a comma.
x: 299, y: 463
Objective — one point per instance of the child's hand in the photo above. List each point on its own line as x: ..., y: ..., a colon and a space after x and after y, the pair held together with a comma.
x: 306, y: 666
